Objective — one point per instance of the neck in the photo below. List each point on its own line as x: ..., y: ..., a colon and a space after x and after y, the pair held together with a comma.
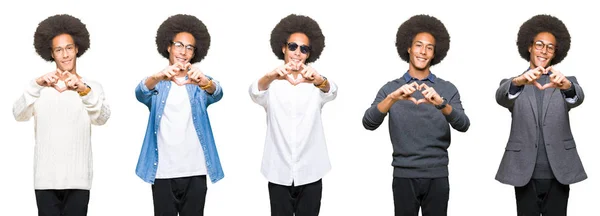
x: 418, y: 73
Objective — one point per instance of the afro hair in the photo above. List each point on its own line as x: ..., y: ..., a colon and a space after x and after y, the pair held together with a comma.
x: 57, y: 25
x: 183, y: 23
x: 419, y: 24
x: 544, y: 23
x: 293, y: 24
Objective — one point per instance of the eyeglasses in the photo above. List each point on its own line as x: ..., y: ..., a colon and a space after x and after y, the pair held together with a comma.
x: 304, y: 49
x: 539, y: 45
x: 69, y: 48
x: 180, y: 46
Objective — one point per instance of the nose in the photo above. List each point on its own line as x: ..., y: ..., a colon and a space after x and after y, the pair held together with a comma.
x: 422, y: 50
x: 544, y: 49
x: 183, y: 51
x: 65, y: 53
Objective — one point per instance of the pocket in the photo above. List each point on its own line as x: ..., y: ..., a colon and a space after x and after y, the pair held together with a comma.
x: 513, y: 146
x: 569, y: 144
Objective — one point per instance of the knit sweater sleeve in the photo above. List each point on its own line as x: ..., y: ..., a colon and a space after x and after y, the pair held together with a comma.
x: 96, y: 105
x: 373, y: 118
x: 23, y: 107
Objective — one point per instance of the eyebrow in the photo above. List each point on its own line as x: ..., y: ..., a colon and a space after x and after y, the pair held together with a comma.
x: 544, y: 42
x: 426, y: 44
x: 185, y: 44
x: 64, y: 46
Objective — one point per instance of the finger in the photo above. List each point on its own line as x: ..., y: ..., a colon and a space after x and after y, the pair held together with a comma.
x: 310, y: 75
x: 47, y: 80
x: 406, y: 92
x: 430, y: 95
x: 561, y: 80
x: 414, y: 85
x: 169, y: 74
x: 303, y: 66
x: 528, y: 77
x: 281, y: 72
x: 557, y: 78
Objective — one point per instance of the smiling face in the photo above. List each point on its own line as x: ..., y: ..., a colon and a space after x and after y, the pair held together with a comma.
x: 64, y: 52
x: 541, y: 51
x: 297, y: 55
x: 421, y: 51
x: 182, y: 48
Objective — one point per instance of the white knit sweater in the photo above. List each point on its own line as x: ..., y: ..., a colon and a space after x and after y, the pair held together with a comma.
x: 63, y: 152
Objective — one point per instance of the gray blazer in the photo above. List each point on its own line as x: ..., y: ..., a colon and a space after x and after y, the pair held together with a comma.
x: 518, y: 161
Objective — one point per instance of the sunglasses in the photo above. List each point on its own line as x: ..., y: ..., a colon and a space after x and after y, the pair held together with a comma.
x: 304, y: 49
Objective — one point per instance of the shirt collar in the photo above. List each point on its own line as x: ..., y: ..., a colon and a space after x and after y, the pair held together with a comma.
x: 408, y: 78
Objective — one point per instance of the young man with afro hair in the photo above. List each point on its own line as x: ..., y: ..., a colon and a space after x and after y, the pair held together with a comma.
x: 421, y: 108
x: 293, y: 94
x: 179, y: 149
x: 64, y: 106
x: 541, y: 159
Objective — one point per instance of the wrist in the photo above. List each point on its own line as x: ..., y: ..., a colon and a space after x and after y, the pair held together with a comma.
x: 443, y: 104
x: 208, y: 85
x: 323, y: 83
x: 40, y: 81
x: 85, y: 91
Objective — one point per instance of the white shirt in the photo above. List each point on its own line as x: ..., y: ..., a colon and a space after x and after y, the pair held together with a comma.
x: 179, y: 151
x: 295, y: 150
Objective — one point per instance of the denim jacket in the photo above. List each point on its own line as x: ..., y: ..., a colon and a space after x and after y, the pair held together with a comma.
x: 155, y: 100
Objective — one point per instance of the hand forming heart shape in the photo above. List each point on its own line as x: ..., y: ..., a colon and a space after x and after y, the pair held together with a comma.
x: 56, y: 81
x: 181, y: 82
x: 427, y: 92
x: 295, y: 81
x: 60, y: 86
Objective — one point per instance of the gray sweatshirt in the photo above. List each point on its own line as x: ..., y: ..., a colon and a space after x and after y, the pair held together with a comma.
x: 420, y: 134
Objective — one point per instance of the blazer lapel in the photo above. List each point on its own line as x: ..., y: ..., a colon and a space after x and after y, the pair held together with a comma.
x: 547, y: 97
x: 530, y: 92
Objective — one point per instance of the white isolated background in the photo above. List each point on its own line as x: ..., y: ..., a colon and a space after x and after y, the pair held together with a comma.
x: 360, y: 57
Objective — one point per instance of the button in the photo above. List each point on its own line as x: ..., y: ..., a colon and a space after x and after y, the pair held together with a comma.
x: 154, y: 132
x: 159, y: 116
x: 155, y: 149
x: 154, y: 164
x: 163, y: 101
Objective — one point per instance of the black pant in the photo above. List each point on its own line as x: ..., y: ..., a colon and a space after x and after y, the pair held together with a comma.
x: 542, y: 196
x: 303, y: 200
x: 185, y: 196
x: 412, y: 193
x: 71, y: 202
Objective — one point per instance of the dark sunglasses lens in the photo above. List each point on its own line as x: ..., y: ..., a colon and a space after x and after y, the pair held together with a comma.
x: 304, y: 49
x: 292, y: 46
